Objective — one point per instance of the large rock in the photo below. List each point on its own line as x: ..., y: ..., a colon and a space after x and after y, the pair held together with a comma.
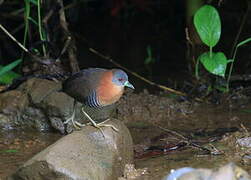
x: 228, y: 172
x: 82, y: 155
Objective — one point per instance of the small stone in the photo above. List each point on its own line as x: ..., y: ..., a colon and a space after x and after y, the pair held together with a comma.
x: 244, y: 142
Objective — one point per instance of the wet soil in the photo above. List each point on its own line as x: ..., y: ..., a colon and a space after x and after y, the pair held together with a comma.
x: 17, y: 147
x: 202, y: 122
x: 147, y: 117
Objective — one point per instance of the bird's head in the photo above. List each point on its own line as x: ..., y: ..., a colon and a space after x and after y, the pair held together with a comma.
x: 120, y: 78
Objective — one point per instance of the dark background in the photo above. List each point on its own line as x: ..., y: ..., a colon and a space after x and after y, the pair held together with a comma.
x: 123, y: 29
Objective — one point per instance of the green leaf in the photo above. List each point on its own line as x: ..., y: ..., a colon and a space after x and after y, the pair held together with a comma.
x: 221, y: 88
x: 149, y: 59
x: 208, y: 25
x: 215, y: 64
x: 149, y: 51
x: 246, y: 110
x: 9, y: 67
x: 8, y: 77
x: 9, y: 151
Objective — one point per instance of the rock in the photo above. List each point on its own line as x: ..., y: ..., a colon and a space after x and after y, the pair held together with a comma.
x: 227, y: 172
x: 151, y: 108
x: 246, y: 160
x: 36, y: 104
x: 48, y: 107
x: 39, y: 89
x: 58, y: 107
x: 82, y: 155
x: 131, y: 173
x: 230, y: 172
x: 175, y: 174
x: 189, y: 173
x: 12, y: 105
x: 244, y: 142
x: 34, y: 118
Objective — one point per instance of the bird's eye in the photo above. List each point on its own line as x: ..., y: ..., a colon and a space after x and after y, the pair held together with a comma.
x: 120, y: 79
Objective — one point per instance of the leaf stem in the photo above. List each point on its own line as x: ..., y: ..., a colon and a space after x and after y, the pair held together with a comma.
x: 210, y: 51
x: 40, y: 24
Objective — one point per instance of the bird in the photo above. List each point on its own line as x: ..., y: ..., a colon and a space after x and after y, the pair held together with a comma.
x: 96, y: 89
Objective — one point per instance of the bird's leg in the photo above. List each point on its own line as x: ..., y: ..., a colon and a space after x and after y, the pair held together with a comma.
x: 74, y: 123
x: 78, y: 125
x: 99, y: 125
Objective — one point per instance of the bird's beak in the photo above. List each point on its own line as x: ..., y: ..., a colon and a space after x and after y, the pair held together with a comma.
x: 127, y: 84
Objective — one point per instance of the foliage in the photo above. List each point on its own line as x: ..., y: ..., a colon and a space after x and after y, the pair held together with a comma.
x: 149, y: 59
x: 7, y: 77
x: 6, y: 73
x: 216, y: 63
x: 9, y: 151
x: 9, y: 67
x: 208, y: 25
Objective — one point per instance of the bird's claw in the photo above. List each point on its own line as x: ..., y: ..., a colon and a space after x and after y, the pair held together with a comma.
x: 99, y: 125
x: 107, y: 125
x: 78, y: 125
x: 74, y: 123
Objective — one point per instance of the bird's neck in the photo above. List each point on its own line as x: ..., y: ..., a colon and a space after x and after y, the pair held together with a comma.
x: 107, y: 92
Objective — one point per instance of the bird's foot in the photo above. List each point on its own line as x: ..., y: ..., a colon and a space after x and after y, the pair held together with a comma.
x: 76, y: 124
x: 99, y: 125
x: 107, y: 125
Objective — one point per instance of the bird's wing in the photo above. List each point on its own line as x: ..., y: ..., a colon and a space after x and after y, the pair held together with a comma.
x: 83, y: 84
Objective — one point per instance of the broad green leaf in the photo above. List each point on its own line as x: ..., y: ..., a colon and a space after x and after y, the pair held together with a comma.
x: 208, y: 25
x: 216, y: 64
x: 9, y: 67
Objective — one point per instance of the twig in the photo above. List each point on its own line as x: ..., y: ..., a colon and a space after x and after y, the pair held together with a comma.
x: 72, y: 48
x: 35, y: 58
x: 185, y: 139
x: 215, y: 151
x: 187, y: 36
x: 137, y: 75
x: 66, y: 45
x: 245, y: 129
x: 171, y: 132
x: 243, y: 21
x: 14, y: 39
x: 47, y: 17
